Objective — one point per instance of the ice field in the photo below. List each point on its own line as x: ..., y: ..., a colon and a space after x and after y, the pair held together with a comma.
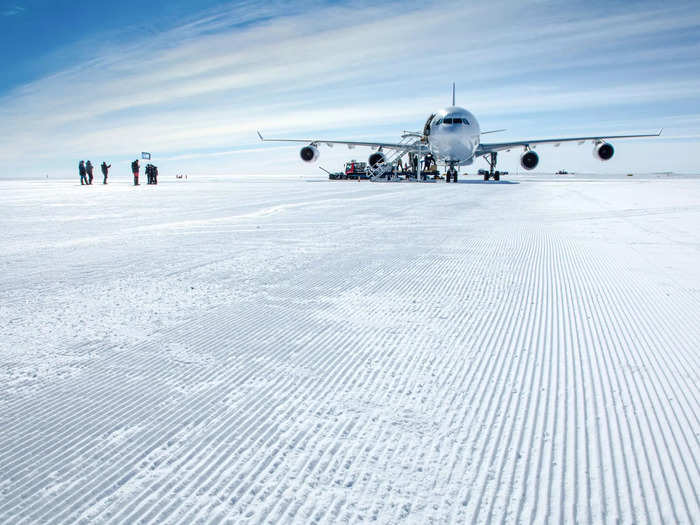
x: 290, y: 350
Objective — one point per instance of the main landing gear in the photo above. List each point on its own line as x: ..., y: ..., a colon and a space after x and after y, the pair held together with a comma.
x: 492, y: 165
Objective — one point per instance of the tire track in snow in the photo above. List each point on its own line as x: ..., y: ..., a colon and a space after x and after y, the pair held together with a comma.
x: 505, y: 373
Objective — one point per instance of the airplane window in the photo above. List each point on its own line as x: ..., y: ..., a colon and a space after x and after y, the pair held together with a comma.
x: 439, y: 121
x: 457, y: 120
x: 447, y: 121
x: 465, y: 121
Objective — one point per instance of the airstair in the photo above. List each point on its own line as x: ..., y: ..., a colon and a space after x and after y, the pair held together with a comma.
x: 384, y: 170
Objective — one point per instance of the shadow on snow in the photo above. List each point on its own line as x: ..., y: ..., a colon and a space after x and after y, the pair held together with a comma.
x: 486, y: 182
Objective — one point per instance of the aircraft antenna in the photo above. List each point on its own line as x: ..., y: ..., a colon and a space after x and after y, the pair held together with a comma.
x: 453, y: 93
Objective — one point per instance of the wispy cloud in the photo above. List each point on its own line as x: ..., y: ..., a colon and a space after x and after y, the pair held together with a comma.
x: 13, y: 10
x: 199, y: 91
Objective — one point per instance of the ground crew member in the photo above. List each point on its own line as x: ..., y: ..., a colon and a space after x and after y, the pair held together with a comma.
x: 155, y: 174
x: 135, y: 171
x: 105, y: 170
x: 89, y: 168
x: 81, y: 170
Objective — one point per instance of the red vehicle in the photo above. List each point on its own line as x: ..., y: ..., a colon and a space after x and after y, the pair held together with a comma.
x: 356, y: 170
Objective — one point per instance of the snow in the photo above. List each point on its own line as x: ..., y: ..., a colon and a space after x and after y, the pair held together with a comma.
x: 302, y: 350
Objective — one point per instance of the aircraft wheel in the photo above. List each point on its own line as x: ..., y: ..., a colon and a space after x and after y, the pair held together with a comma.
x: 454, y: 177
x: 448, y: 176
x: 486, y: 177
x: 497, y: 177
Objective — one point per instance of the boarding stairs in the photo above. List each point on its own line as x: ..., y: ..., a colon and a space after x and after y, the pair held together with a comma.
x: 384, y: 170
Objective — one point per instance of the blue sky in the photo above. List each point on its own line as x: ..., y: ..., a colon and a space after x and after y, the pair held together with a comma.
x: 192, y: 81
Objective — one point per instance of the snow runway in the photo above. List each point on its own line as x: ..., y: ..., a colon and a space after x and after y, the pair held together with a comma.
x: 303, y: 351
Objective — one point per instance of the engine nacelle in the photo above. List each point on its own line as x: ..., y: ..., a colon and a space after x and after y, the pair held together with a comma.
x: 603, y: 151
x: 529, y: 160
x: 309, y: 153
x: 376, y: 158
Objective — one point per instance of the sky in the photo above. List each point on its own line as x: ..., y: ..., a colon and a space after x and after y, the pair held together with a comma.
x: 191, y: 82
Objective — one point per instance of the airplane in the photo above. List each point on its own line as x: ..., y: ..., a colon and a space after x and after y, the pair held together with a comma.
x: 453, y: 137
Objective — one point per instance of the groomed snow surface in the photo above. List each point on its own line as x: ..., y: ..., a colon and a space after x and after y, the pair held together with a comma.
x: 256, y: 350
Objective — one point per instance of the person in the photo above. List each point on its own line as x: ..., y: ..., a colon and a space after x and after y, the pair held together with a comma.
x: 135, y: 171
x: 88, y: 168
x: 155, y: 174
x: 105, y: 170
x: 149, y: 173
x: 81, y: 170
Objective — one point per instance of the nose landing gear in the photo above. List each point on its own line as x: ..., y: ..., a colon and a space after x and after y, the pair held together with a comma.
x: 451, y: 174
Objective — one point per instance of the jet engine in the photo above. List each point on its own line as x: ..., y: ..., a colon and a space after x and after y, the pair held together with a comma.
x: 529, y: 160
x: 309, y: 153
x: 603, y: 151
x: 376, y: 158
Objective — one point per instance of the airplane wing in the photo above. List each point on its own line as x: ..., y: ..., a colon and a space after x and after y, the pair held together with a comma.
x: 486, y: 148
x: 352, y: 143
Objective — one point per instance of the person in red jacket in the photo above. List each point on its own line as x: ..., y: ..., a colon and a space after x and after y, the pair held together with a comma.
x: 135, y: 171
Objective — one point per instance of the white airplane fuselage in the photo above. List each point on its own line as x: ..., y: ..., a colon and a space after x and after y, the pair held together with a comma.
x: 453, y: 136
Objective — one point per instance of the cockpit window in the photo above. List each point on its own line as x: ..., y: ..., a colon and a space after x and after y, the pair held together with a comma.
x: 465, y: 122
x: 447, y: 121
x: 439, y: 121
x: 457, y: 120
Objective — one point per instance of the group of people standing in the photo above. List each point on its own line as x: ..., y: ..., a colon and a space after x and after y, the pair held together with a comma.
x: 151, y: 172
x: 86, y: 172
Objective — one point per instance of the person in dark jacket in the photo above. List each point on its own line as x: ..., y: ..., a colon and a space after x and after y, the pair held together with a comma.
x: 135, y: 171
x: 149, y: 173
x: 105, y: 171
x: 81, y: 170
x: 155, y: 174
x: 89, y: 168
